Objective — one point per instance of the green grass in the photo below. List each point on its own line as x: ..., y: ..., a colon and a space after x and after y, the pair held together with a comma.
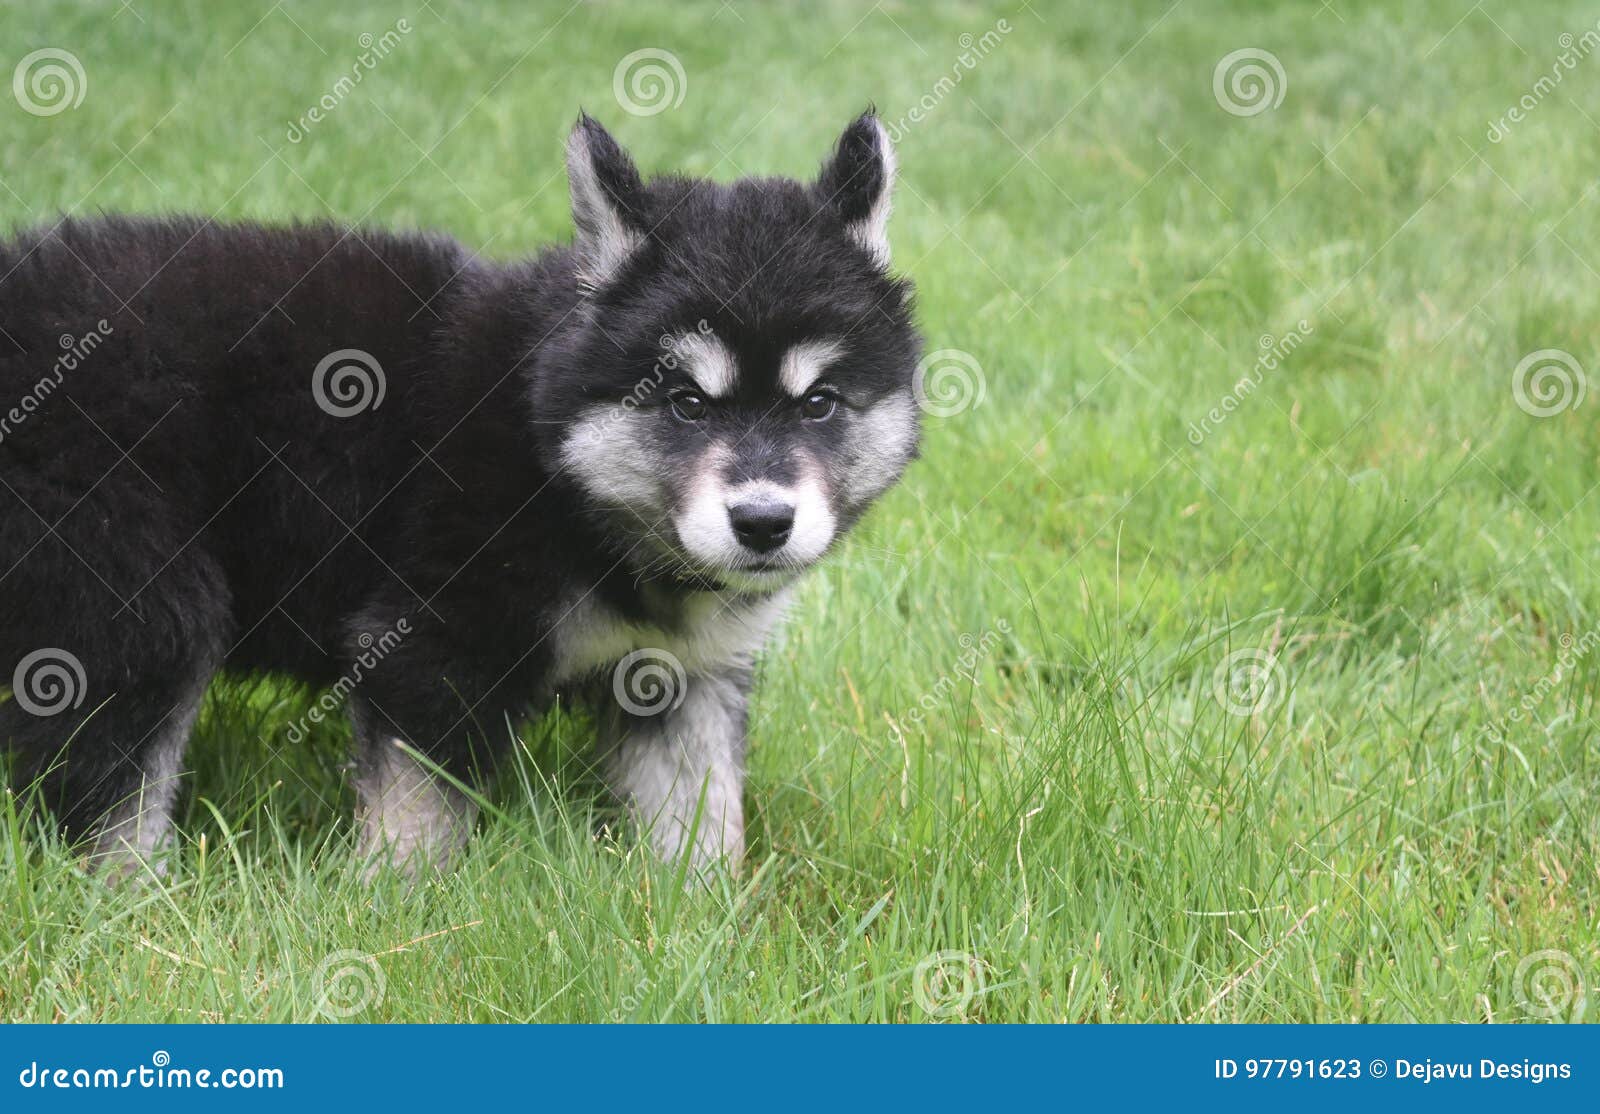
x: 1385, y: 838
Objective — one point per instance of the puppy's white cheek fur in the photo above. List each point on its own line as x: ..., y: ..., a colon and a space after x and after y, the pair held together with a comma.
x: 704, y: 529
x: 880, y: 446
x: 606, y: 450
x: 814, y: 524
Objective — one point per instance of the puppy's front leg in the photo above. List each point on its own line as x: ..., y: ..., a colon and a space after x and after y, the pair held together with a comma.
x: 681, y: 769
x: 409, y: 817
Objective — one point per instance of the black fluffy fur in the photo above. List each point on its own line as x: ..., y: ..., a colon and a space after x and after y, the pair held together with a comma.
x: 179, y: 504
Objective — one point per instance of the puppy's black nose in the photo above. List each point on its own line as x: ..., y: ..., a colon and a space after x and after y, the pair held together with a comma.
x: 761, y: 524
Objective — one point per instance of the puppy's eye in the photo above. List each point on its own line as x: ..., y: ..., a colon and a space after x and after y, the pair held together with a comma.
x: 818, y: 406
x: 688, y: 406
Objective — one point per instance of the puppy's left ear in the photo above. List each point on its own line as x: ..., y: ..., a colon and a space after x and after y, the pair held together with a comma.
x: 857, y: 181
x: 607, y: 202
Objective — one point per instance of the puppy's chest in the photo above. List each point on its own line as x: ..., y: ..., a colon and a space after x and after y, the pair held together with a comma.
x: 707, y: 635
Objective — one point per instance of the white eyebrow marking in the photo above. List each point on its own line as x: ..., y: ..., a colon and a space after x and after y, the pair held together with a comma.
x: 804, y: 364
x: 709, y: 361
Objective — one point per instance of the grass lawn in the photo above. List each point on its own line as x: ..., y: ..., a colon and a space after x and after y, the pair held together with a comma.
x: 1230, y: 658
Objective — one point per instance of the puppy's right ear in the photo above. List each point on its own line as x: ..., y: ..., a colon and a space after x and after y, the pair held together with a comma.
x: 607, y: 202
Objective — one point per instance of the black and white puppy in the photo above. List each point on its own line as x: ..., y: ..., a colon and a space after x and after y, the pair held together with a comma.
x: 445, y: 489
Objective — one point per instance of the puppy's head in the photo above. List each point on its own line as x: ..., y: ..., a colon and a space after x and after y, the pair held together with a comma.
x: 736, y: 385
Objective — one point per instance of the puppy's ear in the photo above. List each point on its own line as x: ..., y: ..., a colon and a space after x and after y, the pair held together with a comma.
x: 857, y: 182
x: 607, y: 202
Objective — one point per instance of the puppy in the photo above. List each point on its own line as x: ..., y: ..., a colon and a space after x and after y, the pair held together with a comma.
x: 444, y: 490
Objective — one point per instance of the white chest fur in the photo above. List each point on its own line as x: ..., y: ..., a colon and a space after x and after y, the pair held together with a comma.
x: 712, y: 633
